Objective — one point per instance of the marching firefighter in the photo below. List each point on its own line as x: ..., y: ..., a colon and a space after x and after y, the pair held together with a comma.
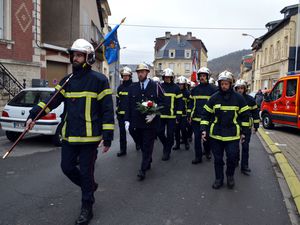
x: 181, y: 126
x: 145, y: 125
x: 229, y: 114
x: 171, y: 112
x: 122, y: 107
x: 241, y: 88
x: 89, y: 119
x: 198, y: 98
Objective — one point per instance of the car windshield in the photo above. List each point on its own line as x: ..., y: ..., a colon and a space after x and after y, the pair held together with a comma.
x: 29, y: 98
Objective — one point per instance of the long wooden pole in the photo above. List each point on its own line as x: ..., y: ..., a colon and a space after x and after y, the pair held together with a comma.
x: 44, y: 108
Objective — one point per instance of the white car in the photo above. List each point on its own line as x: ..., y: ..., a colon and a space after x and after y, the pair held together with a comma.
x: 16, y: 112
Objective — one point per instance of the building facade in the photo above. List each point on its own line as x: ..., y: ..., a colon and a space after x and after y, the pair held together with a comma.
x: 177, y: 52
x: 246, y: 72
x: 274, y: 52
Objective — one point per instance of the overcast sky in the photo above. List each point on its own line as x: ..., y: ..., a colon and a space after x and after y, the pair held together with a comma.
x: 139, y: 41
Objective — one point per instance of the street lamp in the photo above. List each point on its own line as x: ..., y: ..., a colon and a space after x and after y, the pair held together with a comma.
x: 244, y: 34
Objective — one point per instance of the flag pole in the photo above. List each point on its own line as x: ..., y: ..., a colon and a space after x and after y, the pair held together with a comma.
x: 102, y: 42
x: 44, y: 108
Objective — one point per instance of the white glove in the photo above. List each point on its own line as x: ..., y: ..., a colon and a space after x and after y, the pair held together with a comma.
x: 150, y: 117
x: 127, y: 124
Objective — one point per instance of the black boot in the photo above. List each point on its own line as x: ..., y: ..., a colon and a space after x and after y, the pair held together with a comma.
x: 141, y: 175
x: 230, y: 182
x: 196, y: 161
x: 176, y: 147
x: 137, y: 147
x: 246, y: 171
x: 208, y: 156
x: 187, y: 146
x: 120, y: 154
x: 85, y: 216
x: 165, y: 157
x: 217, y: 184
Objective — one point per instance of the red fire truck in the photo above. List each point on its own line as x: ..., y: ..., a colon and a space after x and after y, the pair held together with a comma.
x: 282, y: 104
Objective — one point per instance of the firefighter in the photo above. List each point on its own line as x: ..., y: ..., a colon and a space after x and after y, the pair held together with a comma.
x: 198, y: 98
x: 229, y: 114
x: 171, y: 112
x: 122, y: 107
x: 181, y: 126
x: 241, y: 88
x: 89, y: 119
x: 145, y: 125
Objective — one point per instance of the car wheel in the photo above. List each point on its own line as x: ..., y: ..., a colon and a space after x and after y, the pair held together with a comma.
x: 267, y: 121
x: 57, y: 138
x: 12, y: 136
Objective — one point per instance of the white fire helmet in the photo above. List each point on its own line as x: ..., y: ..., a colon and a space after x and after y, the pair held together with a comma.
x: 240, y: 83
x: 156, y: 79
x: 126, y: 71
x: 226, y: 75
x: 142, y: 66
x: 212, y: 81
x: 181, y: 80
x: 188, y: 81
x: 82, y: 45
x: 204, y: 70
x: 193, y: 84
x: 168, y: 73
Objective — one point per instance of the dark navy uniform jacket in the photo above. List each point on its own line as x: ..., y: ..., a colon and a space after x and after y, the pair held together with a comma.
x: 173, y: 104
x: 122, y: 98
x: 198, y: 98
x: 88, y: 105
x: 254, y: 112
x: 152, y: 92
x: 228, y: 113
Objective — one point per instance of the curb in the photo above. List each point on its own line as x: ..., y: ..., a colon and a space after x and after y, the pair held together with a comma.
x: 289, y: 175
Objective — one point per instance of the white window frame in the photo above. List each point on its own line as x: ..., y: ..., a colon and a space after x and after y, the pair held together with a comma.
x: 172, y: 51
x: 187, y: 53
x: 172, y: 66
x: 5, y: 22
x: 187, y: 68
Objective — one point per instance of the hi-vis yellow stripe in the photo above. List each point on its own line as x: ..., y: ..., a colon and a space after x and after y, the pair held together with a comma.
x: 81, y: 94
x: 42, y: 105
x: 82, y: 139
x: 58, y: 87
x: 88, y: 120
x: 107, y: 126
x: 104, y: 93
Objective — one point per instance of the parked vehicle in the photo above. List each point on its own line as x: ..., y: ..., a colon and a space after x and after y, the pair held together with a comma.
x: 281, y: 105
x: 16, y: 112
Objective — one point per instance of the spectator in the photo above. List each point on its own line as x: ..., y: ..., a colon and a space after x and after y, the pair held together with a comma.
x: 259, y: 98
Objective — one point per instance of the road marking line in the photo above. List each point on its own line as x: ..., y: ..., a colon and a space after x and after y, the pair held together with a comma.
x: 286, y: 169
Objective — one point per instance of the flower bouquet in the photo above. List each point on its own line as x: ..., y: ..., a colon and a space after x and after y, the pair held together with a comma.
x: 150, y: 108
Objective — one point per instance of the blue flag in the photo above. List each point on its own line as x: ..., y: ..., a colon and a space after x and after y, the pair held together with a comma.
x: 112, y: 46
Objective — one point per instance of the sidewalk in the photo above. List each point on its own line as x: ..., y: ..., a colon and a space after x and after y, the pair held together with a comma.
x: 284, y: 144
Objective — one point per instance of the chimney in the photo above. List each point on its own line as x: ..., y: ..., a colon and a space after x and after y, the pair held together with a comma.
x: 189, y: 35
x: 168, y: 34
x: 178, y: 38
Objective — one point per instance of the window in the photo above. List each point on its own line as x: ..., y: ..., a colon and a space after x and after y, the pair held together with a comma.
x: 5, y: 19
x: 266, y: 57
x: 171, y: 53
x: 187, y: 67
x: 277, y: 91
x: 291, y: 87
x: 271, y: 54
x: 285, y: 47
x: 1, y: 19
x: 278, y: 50
x: 172, y: 66
x: 187, y: 53
x: 159, y: 66
x: 257, y: 62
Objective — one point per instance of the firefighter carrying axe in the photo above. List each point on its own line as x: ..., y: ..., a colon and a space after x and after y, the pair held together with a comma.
x: 27, y: 128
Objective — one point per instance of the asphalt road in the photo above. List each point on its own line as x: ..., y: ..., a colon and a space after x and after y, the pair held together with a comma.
x: 34, y: 191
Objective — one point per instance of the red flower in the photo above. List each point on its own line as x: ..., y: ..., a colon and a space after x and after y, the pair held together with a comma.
x: 149, y: 104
